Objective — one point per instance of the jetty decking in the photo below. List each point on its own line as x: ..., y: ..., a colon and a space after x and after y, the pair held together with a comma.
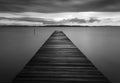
x: 59, y: 61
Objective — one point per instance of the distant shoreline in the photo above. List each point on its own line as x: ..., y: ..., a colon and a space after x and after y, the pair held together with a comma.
x: 52, y: 26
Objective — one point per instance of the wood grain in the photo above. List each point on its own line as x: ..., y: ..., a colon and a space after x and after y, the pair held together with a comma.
x: 59, y: 61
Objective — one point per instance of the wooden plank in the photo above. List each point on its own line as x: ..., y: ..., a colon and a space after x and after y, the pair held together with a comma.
x: 59, y: 61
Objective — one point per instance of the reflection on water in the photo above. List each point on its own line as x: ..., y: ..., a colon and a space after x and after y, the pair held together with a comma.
x: 101, y: 45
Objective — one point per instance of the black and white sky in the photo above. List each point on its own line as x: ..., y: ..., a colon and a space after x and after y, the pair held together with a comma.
x: 57, y: 10
x: 47, y: 6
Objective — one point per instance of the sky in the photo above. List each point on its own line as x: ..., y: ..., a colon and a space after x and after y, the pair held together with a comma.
x: 90, y: 12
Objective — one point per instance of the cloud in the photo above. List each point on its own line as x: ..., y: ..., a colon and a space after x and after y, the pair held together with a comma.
x: 18, y: 22
x: 84, y: 18
x: 50, y: 6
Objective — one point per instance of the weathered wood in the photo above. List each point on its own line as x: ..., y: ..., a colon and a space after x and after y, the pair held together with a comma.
x: 59, y: 61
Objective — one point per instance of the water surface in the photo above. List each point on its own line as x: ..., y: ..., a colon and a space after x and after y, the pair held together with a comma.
x: 100, y: 44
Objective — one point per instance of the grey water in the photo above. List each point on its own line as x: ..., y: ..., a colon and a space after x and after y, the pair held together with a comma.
x: 100, y: 44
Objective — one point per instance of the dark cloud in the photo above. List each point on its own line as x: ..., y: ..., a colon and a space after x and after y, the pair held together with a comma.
x: 59, y: 5
x: 109, y: 5
x: 14, y: 5
x: 93, y: 19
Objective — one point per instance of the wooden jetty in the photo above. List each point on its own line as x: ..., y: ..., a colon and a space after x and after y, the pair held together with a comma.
x: 59, y: 61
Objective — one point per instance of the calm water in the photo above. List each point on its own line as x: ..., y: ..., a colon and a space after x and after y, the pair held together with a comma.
x: 101, y: 45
